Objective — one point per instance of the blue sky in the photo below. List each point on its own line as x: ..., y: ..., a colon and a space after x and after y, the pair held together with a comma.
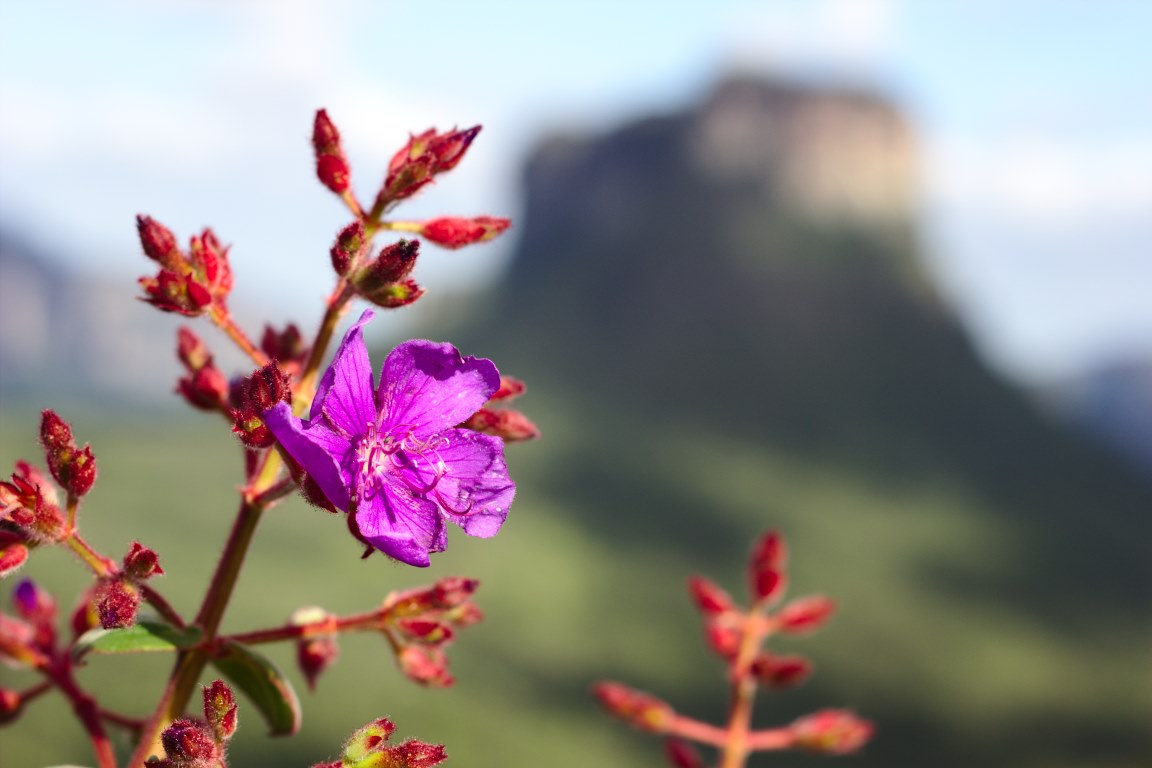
x: 1035, y: 120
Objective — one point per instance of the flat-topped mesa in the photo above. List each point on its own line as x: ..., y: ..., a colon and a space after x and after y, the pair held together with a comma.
x: 824, y: 152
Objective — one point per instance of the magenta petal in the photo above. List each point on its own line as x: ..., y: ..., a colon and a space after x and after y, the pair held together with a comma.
x: 475, y: 483
x: 400, y: 525
x: 344, y: 396
x: 428, y: 387
x: 313, y: 455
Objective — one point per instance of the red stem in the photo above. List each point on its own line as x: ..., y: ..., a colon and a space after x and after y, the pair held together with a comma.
x: 86, y: 710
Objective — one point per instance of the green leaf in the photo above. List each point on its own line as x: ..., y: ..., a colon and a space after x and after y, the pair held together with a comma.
x: 141, y: 637
x: 263, y: 683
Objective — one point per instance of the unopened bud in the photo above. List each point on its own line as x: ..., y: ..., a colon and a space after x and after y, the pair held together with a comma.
x: 314, y: 654
x: 781, y: 671
x: 349, y: 248
x: 191, y: 349
x: 457, y: 232
x: 452, y: 591
x: 506, y: 423
x: 766, y: 573
x: 159, y: 243
x: 638, y: 709
x: 220, y: 710
x: 141, y: 562
x: 13, y: 553
x: 709, y: 598
x: 73, y: 468
x: 267, y: 386
x: 206, y: 389
x: 116, y: 603
x: 189, y: 743
x: 285, y: 346
x: 509, y: 388
x: 723, y: 638
x: 680, y: 754
x: 425, y: 631
x: 805, y: 614
x: 392, y: 295
x: 10, y: 705
x: 414, y: 754
x: 424, y: 156
x: 367, y: 742
x: 425, y: 665
x: 832, y: 731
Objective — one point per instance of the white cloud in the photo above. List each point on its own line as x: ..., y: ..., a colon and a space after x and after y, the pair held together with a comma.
x: 814, y: 35
x: 1041, y: 179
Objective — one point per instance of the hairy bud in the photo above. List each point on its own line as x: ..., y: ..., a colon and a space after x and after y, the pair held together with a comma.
x: 116, y: 603
x: 640, y: 710
x: 457, y: 232
x: 220, y: 710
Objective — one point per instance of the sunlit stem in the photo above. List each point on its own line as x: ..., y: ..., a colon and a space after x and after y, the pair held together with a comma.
x: 223, y: 320
x: 744, y: 685
x: 100, y: 565
x: 361, y: 622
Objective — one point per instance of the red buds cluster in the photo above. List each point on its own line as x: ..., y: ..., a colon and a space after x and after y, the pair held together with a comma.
x: 192, y: 743
x: 385, y: 280
x: 368, y: 747
x: 421, y: 623
x: 205, y: 386
x: 737, y: 635
x: 420, y: 160
x: 29, y: 511
x: 189, y: 283
x: 116, y: 597
x: 74, y: 468
x: 28, y: 639
x: 495, y: 419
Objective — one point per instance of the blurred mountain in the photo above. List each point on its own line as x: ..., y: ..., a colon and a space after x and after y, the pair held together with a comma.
x: 43, y: 356
x: 723, y: 313
x: 1113, y: 403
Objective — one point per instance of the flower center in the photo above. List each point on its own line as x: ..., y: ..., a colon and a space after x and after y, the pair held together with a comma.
x: 399, y: 453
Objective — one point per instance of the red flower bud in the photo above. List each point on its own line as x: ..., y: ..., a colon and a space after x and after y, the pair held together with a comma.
x: 206, y: 389
x: 709, y: 598
x: 425, y: 665
x: 10, y: 705
x: 393, y: 295
x: 414, y: 754
x: 723, y: 638
x: 395, y: 261
x: 766, y: 573
x: 424, y: 631
x: 220, y: 710
x: 286, y: 347
x: 13, y: 553
x: 29, y: 502
x: 456, y: 232
x: 74, y: 469
x: 509, y: 388
x: 452, y: 591
x: 505, y: 423
x: 85, y: 616
x: 424, y: 156
x: 805, y: 614
x: 382, y: 281
x: 781, y: 671
x: 363, y: 748
x: 333, y: 172
x: 638, y: 709
x: 314, y: 654
x: 267, y: 386
x: 191, y: 350
x: 189, y: 743
x: 681, y: 754
x: 832, y: 731
x: 159, y: 243
x: 116, y: 603
x: 141, y: 562
x: 349, y: 248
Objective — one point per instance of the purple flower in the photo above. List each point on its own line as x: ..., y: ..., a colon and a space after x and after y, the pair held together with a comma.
x: 394, y: 458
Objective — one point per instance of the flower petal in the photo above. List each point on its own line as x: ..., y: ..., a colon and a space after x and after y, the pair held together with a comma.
x: 315, y: 448
x: 401, y: 525
x: 475, y: 490
x: 429, y: 387
x: 344, y: 396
